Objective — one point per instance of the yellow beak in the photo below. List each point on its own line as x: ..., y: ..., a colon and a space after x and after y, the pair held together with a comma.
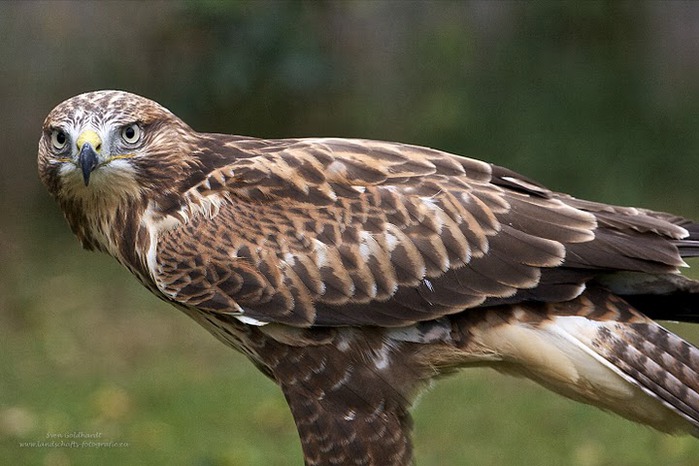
x: 90, y: 137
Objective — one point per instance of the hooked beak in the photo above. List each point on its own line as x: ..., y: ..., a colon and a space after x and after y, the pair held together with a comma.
x: 90, y: 145
x: 88, y: 161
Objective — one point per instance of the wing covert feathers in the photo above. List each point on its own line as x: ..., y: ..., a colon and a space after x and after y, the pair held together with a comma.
x: 352, y: 232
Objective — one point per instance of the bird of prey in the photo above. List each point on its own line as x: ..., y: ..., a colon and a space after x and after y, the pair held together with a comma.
x: 354, y: 272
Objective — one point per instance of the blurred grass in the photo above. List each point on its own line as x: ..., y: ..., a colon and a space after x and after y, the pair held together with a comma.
x: 86, y: 349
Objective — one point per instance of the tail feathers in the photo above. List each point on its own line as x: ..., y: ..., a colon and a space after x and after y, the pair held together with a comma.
x: 661, y: 363
x: 597, y: 350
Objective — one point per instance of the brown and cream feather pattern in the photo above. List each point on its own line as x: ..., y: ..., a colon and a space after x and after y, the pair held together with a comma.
x: 352, y: 271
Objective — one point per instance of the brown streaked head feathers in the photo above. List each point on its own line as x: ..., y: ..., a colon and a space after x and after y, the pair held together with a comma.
x: 353, y: 271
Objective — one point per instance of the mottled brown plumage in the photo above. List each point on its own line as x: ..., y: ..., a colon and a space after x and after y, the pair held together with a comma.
x: 353, y: 272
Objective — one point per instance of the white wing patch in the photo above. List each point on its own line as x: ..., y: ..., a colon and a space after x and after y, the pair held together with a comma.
x: 250, y: 321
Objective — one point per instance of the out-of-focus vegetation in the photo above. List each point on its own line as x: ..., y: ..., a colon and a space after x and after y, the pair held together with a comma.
x: 600, y: 99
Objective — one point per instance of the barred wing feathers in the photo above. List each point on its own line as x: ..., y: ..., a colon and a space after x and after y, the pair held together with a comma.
x: 354, y: 232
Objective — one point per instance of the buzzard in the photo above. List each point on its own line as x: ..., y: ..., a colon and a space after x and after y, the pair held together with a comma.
x: 354, y: 272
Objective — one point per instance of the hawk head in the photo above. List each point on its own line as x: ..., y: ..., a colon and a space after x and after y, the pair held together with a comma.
x: 109, y: 156
x: 107, y: 153
x: 106, y: 145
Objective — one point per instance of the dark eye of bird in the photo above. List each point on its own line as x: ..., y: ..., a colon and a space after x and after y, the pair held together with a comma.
x: 61, y: 137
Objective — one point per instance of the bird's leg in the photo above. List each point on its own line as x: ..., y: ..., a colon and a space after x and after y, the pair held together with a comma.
x: 350, y: 399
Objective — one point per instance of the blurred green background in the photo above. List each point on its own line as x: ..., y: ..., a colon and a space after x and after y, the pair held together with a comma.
x: 599, y: 99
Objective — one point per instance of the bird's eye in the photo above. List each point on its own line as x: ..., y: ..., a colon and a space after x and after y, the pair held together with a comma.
x: 59, y: 140
x: 131, y: 133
